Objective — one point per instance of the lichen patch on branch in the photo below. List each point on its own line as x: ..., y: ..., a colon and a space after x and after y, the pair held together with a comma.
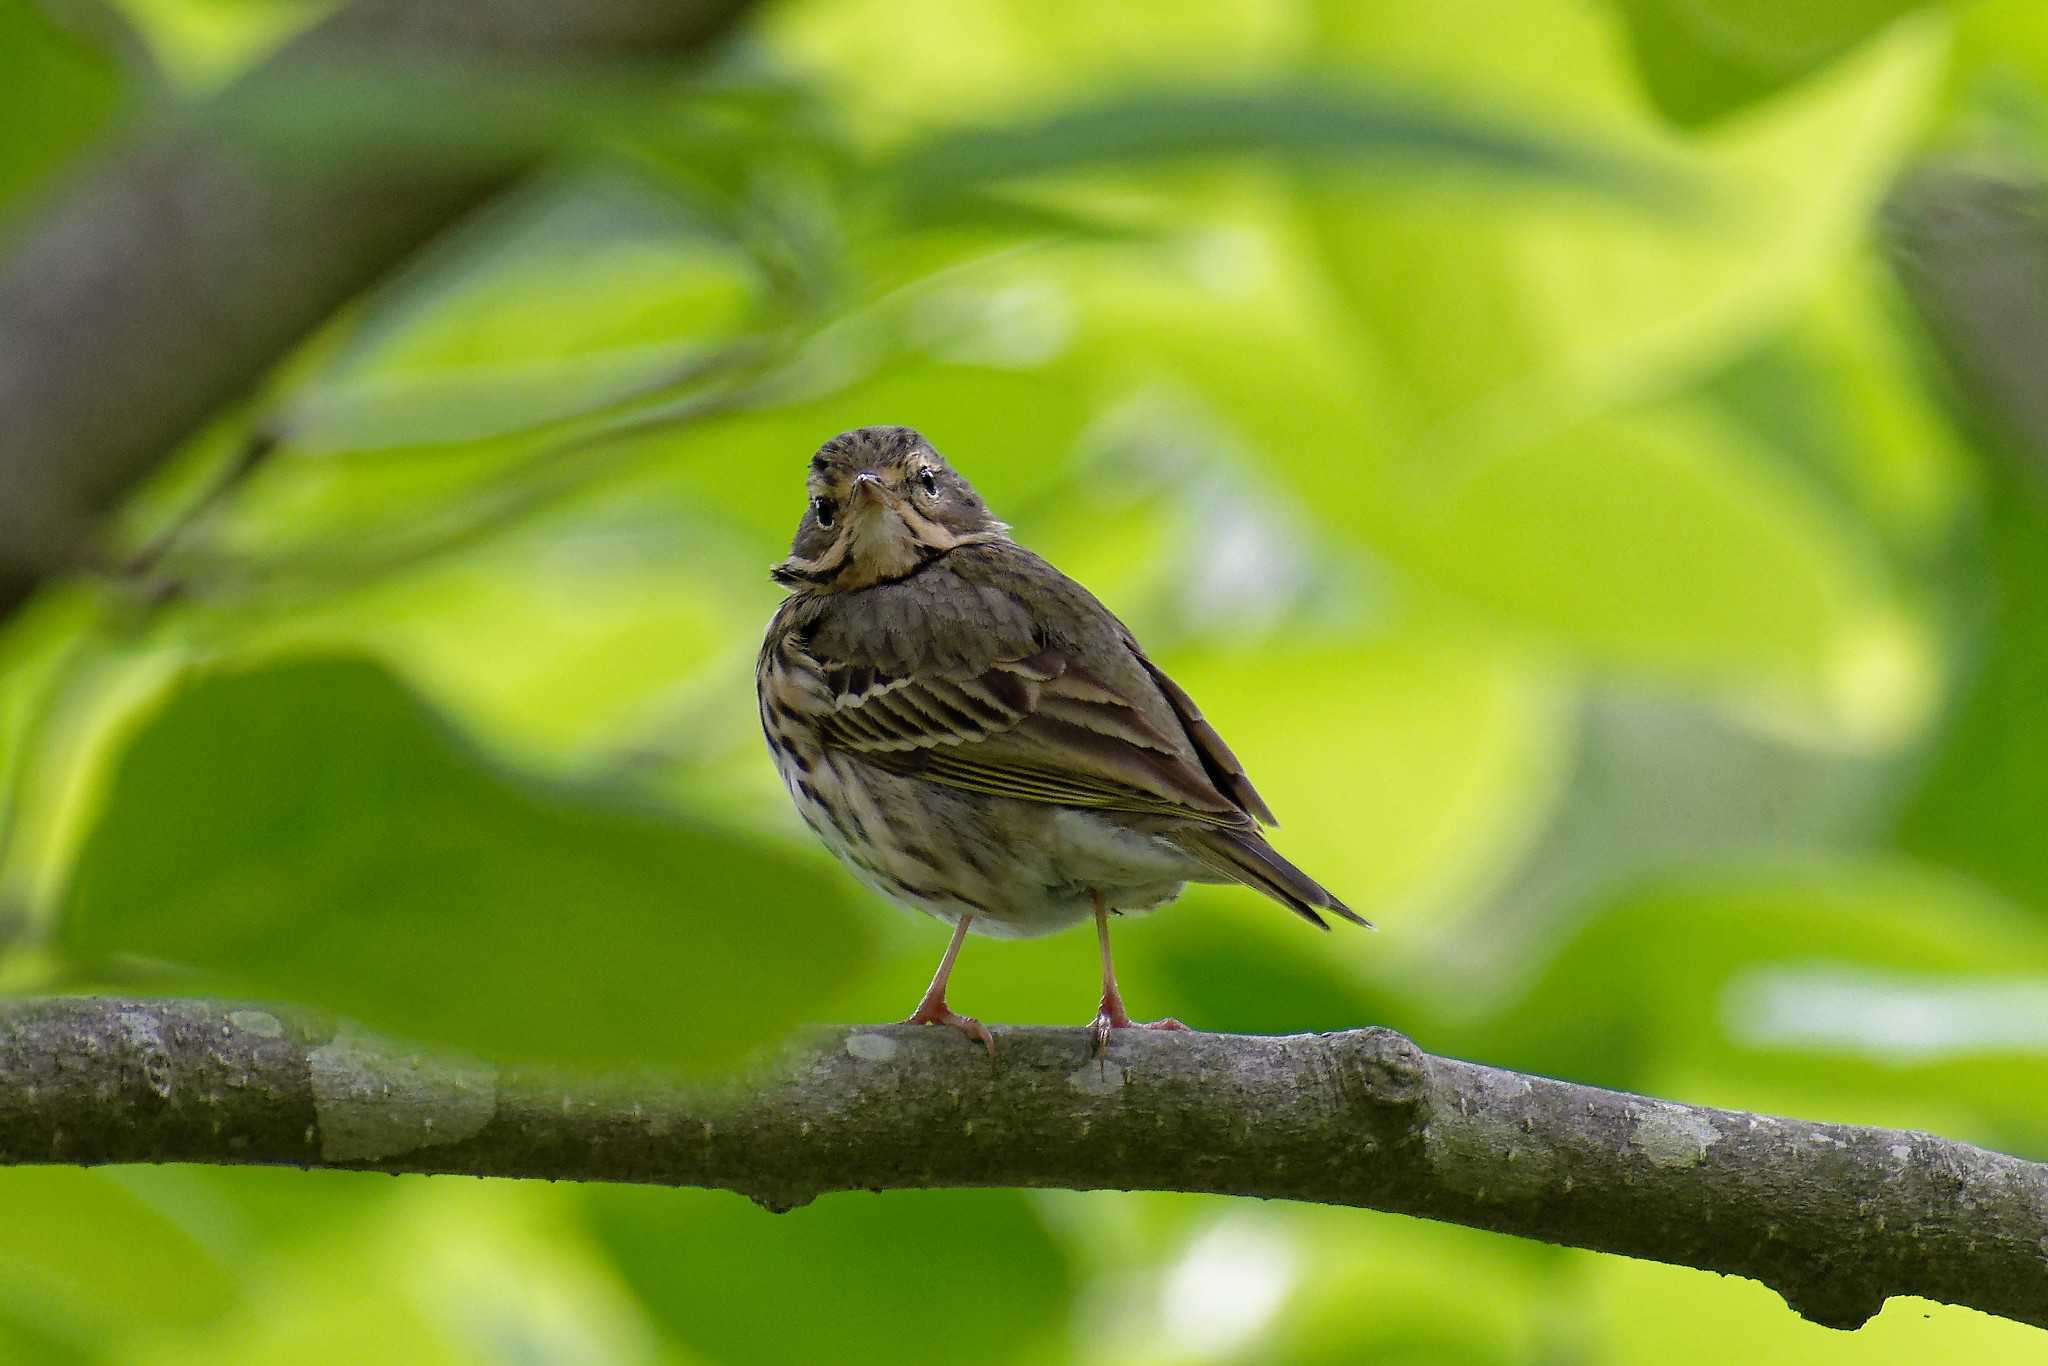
x: 373, y: 1101
x: 1672, y: 1135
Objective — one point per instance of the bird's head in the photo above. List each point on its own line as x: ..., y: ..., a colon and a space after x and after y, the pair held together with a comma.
x: 882, y: 503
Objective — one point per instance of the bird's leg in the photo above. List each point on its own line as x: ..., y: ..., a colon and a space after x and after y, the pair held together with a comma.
x: 933, y: 1008
x: 1110, y: 1015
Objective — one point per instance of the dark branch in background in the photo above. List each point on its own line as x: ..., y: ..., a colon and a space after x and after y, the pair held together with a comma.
x: 160, y: 286
x: 1972, y: 251
x: 1834, y: 1217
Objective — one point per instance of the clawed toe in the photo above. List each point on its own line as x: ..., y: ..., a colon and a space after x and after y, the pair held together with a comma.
x: 1107, y: 1019
x: 1099, y: 1027
x: 941, y: 1014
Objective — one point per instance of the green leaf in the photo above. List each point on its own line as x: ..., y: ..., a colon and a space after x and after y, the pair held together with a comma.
x: 1700, y: 61
x: 432, y: 110
x: 311, y: 831
x: 87, y: 1262
x: 1841, y: 398
x: 1302, y: 123
x: 56, y: 90
x: 1979, y: 806
x: 973, y: 1275
x: 1663, y: 538
x: 1490, y: 327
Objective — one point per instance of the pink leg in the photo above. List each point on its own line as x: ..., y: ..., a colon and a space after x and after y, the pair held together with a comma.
x: 933, y: 1008
x: 1111, y: 1013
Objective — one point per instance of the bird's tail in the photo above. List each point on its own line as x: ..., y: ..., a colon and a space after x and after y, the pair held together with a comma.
x: 1244, y: 856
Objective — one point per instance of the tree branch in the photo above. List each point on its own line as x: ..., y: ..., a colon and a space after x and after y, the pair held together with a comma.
x: 1834, y: 1217
x: 163, y: 283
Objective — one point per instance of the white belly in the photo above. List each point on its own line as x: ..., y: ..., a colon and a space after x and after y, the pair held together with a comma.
x: 1019, y: 868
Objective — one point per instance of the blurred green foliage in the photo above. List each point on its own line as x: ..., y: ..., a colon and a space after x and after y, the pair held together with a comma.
x: 308, y: 832
x: 1699, y: 62
x: 61, y: 88
x: 978, y: 1274
x: 1502, y: 419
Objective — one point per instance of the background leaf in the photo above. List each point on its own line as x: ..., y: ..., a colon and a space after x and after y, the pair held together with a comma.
x: 310, y: 831
x: 1700, y: 62
x: 970, y: 1273
x: 58, y: 86
x: 1336, y: 130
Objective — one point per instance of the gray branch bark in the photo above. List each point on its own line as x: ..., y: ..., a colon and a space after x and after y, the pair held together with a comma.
x: 163, y: 283
x: 1833, y: 1217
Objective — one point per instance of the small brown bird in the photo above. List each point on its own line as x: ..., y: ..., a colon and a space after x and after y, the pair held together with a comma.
x: 977, y: 737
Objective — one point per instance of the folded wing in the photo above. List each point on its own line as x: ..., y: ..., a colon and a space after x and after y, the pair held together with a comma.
x: 1041, y: 728
x: 1038, y: 728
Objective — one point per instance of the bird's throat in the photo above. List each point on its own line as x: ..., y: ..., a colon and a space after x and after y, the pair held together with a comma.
x: 880, y: 545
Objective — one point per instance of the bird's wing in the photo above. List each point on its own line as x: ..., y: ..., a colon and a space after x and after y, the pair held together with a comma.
x: 1039, y: 727
x: 1223, y: 768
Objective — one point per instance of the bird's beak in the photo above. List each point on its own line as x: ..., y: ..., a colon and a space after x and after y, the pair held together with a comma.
x: 868, y: 488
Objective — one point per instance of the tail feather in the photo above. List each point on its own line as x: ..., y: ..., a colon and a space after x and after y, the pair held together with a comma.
x: 1243, y: 856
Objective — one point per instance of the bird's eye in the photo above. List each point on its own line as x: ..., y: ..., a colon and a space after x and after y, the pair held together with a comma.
x: 928, y: 481
x: 822, y: 508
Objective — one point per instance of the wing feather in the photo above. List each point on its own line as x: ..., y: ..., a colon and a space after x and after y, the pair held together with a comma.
x: 1038, y: 728
x: 1221, y: 765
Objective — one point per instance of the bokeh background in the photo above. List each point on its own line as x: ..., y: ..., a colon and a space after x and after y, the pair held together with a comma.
x: 1542, y: 435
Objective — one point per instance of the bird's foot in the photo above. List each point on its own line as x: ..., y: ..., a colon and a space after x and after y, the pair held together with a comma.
x: 1111, y: 1016
x: 934, y: 1011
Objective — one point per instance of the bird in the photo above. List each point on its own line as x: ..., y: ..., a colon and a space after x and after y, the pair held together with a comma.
x: 975, y: 736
